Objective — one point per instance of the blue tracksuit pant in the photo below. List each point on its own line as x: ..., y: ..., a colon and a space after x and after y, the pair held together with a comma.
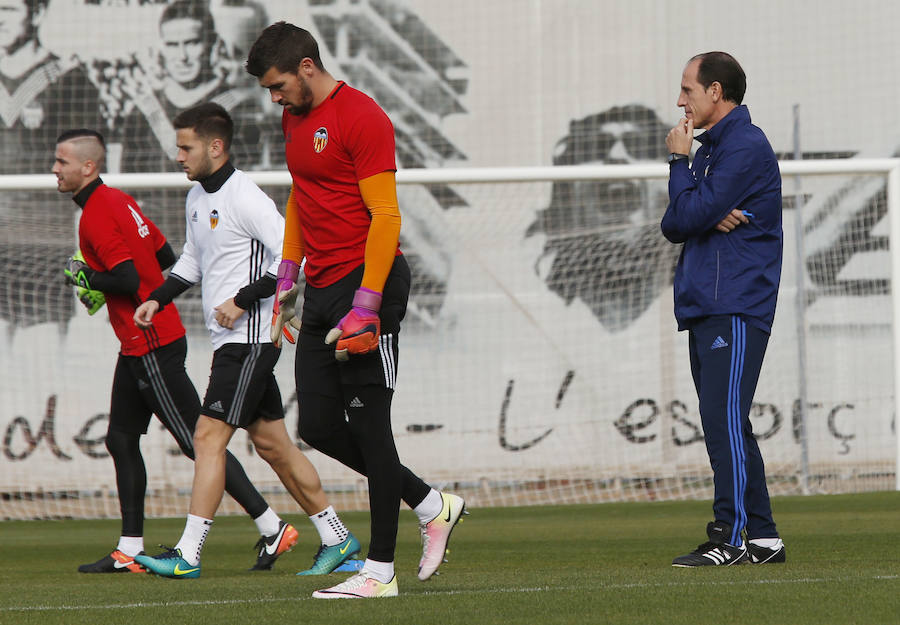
x: 726, y: 358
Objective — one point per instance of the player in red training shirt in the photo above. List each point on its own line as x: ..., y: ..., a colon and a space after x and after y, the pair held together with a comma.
x: 124, y: 255
x: 342, y: 217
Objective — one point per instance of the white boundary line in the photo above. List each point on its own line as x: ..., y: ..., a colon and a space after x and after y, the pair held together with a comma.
x: 538, y: 589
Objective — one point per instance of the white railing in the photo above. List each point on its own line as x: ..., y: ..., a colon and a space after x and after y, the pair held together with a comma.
x: 473, y: 175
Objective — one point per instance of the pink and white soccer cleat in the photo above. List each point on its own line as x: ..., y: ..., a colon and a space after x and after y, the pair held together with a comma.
x: 436, y: 534
x: 360, y: 586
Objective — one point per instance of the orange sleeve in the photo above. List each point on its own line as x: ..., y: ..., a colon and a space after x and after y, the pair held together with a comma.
x: 379, y: 193
x: 292, y: 248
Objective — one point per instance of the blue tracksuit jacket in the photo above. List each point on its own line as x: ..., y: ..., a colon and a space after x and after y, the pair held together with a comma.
x: 735, y: 273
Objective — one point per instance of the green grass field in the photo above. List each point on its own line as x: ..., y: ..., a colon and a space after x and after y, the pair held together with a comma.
x: 607, y: 563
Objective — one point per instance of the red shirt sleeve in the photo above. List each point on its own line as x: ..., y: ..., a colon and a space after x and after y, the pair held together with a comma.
x: 370, y: 141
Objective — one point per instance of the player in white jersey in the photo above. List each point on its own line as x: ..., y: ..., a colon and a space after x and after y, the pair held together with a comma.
x: 233, y: 248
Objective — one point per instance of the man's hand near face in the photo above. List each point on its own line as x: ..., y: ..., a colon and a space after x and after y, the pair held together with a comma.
x: 681, y: 137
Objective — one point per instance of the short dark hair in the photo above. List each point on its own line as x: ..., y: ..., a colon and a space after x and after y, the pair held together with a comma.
x: 282, y: 46
x: 78, y: 133
x: 193, y: 10
x: 209, y: 120
x: 29, y: 28
x: 724, y: 69
x: 34, y: 6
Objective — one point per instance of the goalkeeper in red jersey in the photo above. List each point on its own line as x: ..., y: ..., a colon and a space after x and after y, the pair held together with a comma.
x: 124, y: 254
x: 343, y: 218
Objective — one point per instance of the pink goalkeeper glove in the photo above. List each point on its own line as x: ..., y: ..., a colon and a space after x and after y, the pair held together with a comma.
x: 283, y: 310
x: 358, y: 331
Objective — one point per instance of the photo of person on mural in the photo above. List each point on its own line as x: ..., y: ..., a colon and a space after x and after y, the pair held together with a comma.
x: 192, y: 64
x: 39, y: 92
x: 602, y: 244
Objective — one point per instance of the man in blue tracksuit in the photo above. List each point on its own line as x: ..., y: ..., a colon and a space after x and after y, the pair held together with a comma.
x: 726, y: 210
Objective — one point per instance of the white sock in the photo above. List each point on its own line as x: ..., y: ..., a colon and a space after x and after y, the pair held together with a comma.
x: 268, y: 523
x: 330, y: 527
x: 768, y: 543
x: 430, y: 507
x: 196, y: 529
x: 130, y: 545
x: 382, y: 571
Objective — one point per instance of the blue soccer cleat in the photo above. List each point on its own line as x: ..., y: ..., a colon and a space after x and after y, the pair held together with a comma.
x: 169, y: 564
x: 328, y: 559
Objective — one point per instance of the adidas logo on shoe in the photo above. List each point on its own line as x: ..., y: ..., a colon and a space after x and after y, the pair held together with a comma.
x: 719, y: 343
x: 356, y: 403
x: 217, y: 406
x: 715, y: 552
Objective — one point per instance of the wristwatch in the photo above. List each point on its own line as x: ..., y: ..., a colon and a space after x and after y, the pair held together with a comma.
x: 674, y: 158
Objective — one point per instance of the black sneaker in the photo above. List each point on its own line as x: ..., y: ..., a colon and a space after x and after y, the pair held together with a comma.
x: 114, y: 562
x: 766, y: 555
x: 270, y: 547
x: 716, y: 552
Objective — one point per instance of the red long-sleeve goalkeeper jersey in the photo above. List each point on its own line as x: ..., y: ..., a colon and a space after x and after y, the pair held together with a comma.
x: 345, y: 139
x: 113, y: 230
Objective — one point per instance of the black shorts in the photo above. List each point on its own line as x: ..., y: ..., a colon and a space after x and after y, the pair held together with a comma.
x: 155, y: 383
x: 316, y: 369
x: 242, y: 387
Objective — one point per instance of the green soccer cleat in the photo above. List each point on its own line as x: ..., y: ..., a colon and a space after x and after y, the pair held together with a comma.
x: 328, y: 559
x: 169, y: 564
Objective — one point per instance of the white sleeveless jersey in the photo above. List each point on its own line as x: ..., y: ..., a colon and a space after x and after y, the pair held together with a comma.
x: 234, y: 237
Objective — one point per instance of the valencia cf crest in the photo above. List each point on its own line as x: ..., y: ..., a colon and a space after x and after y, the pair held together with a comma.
x: 320, y: 139
x: 214, y: 219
